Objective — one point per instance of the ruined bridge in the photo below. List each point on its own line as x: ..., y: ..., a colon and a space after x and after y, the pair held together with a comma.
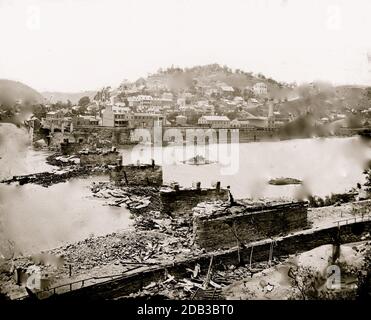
x: 125, y: 136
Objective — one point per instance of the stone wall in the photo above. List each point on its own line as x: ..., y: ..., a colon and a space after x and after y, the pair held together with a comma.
x: 99, y: 158
x: 123, y: 136
x: 247, y: 224
x: 97, y: 135
x: 150, y: 175
x: 181, y: 201
x: 68, y: 147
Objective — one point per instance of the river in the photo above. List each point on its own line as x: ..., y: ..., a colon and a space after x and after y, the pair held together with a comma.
x: 326, y: 165
x: 36, y: 218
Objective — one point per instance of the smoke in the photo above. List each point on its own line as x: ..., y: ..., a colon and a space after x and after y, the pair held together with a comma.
x: 14, y: 143
x: 13, y: 147
x: 48, y: 259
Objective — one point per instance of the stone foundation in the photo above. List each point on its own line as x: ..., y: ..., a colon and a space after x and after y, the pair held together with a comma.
x: 225, y: 226
x: 181, y: 201
x: 69, y: 148
x: 147, y: 175
x: 99, y: 158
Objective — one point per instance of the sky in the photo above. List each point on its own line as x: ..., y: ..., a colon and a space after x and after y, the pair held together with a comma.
x: 76, y: 45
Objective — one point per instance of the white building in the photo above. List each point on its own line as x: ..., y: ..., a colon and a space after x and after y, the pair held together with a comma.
x: 140, y: 100
x: 214, y: 121
x: 250, y: 122
x: 260, y: 88
x: 119, y: 117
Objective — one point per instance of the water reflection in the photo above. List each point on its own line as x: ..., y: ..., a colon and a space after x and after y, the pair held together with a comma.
x: 326, y: 166
x: 38, y: 218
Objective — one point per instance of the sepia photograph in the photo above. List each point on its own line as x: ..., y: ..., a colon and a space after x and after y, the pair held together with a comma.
x: 182, y: 155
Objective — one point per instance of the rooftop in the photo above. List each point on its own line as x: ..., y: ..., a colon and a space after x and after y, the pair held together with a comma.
x: 216, y: 118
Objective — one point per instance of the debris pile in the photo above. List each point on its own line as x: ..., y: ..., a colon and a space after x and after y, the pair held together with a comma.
x: 138, y: 199
x: 47, y: 179
x: 125, y: 248
x: 201, y: 284
x: 196, y: 284
x: 213, y: 209
x: 59, y: 160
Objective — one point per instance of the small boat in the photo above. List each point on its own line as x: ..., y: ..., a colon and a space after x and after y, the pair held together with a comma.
x: 284, y: 181
x: 197, y: 160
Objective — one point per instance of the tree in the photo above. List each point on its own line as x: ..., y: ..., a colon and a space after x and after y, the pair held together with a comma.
x: 39, y: 111
x: 84, y: 101
x: 82, y: 110
x: 236, y: 92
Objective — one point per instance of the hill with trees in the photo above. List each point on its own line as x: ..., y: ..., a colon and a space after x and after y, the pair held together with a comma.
x: 12, y: 92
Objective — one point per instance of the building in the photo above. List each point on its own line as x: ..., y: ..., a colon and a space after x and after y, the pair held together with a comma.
x: 147, y: 120
x: 56, y: 121
x: 140, y: 100
x: 162, y: 102
x: 226, y: 90
x: 120, y: 117
x: 250, y: 122
x: 181, y: 120
x: 114, y: 116
x: 214, y: 121
x: 167, y: 96
x: 82, y: 121
x: 260, y: 88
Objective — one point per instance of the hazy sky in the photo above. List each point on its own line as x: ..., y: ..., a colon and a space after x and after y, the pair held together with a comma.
x: 65, y: 45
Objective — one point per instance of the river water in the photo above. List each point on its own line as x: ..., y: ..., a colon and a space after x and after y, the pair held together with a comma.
x: 331, y: 165
x: 35, y: 218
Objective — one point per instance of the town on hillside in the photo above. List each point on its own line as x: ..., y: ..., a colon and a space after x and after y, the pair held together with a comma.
x: 211, y: 96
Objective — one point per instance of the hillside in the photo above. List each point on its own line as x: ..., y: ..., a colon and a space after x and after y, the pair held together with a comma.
x: 321, y: 99
x: 209, y: 75
x: 12, y: 92
x: 74, y: 97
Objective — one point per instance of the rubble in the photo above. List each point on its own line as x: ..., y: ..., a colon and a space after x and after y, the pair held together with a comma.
x: 68, y: 167
x: 139, y: 199
x: 47, y: 179
x: 202, y: 284
x: 61, y: 160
